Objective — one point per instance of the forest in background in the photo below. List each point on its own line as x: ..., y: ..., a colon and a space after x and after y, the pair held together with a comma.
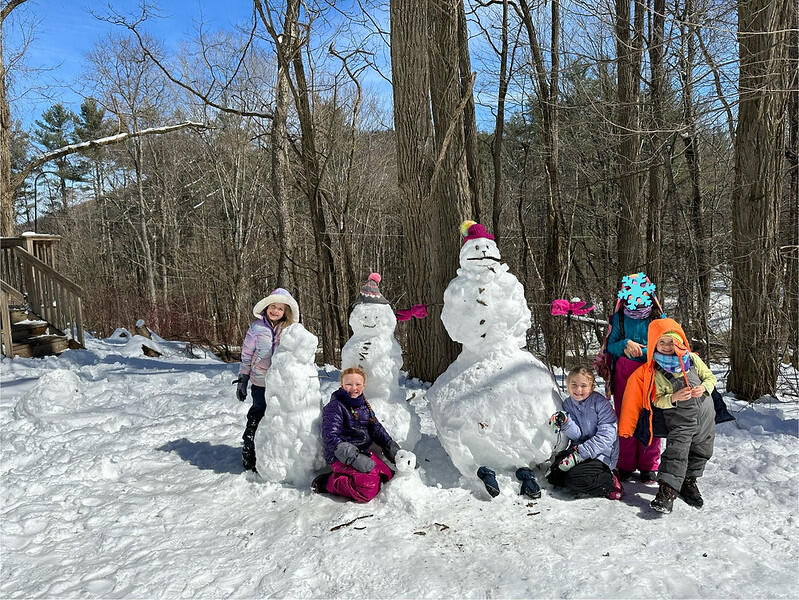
x: 593, y: 140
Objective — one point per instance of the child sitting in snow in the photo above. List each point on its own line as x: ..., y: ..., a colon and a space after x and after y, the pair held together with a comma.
x: 678, y: 381
x: 588, y: 420
x: 349, y: 427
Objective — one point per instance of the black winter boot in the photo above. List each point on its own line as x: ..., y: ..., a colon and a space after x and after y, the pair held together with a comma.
x: 319, y: 484
x: 664, y: 499
x: 489, y: 479
x: 248, y: 446
x: 624, y: 475
x: 689, y: 492
x: 248, y: 458
x: 648, y: 476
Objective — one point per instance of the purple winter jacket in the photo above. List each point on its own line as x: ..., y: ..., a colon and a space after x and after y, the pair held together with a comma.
x: 257, y: 349
x: 592, y: 425
x: 346, y: 419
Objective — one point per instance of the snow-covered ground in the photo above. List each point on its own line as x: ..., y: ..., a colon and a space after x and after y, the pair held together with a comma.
x: 121, y: 478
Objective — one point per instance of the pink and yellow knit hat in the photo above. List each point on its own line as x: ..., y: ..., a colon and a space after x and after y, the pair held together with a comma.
x: 471, y: 230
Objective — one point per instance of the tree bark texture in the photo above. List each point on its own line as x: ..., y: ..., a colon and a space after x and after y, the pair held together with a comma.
x: 6, y: 189
x: 469, y: 117
x: 699, y: 247
x: 792, y: 255
x: 279, y: 143
x: 548, y: 100
x: 421, y: 34
x: 763, y: 42
x: 654, y: 230
x: 629, y: 46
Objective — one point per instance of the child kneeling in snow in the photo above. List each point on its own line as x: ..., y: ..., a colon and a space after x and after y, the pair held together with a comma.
x: 349, y: 427
x: 588, y: 420
x: 677, y: 381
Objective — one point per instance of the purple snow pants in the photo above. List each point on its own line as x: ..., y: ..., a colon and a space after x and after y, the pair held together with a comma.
x: 351, y: 483
x: 633, y: 455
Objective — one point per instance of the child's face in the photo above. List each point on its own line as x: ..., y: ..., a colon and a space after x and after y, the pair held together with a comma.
x: 665, y: 345
x: 352, y: 384
x: 580, y: 387
x: 275, y: 312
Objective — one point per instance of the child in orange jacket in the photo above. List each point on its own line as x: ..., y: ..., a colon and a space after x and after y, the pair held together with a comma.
x: 677, y: 381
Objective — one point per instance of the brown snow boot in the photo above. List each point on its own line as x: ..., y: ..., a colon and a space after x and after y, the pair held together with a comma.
x: 664, y: 499
x: 689, y: 492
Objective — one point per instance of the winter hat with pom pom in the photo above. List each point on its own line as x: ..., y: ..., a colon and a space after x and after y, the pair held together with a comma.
x: 370, y: 293
x: 470, y: 230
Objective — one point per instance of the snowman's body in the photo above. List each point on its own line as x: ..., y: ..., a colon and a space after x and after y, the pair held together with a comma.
x: 374, y: 349
x: 288, y: 444
x: 492, y: 405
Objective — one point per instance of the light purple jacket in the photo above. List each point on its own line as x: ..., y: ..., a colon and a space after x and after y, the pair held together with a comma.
x: 256, y: 352
x: 592, y: 425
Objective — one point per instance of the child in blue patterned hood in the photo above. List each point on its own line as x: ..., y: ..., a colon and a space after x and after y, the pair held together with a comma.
x: 589, y: 422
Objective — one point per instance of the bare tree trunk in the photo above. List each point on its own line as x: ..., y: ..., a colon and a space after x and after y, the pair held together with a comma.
x: 763, y: 35
x: 548, y: 96
x: 629, y: 46
x: 654, y: 229
x: 279, y: 143
x: 144, y: 234
x: 430, y: 244
x: 469, y: 117
x: 326, y: 290
x: 699, y: 266
x: 6, y: 190
x: 499, y: 126
x: 792, y: 256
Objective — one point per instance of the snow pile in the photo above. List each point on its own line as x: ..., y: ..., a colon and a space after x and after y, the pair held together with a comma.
x: 121, y: 478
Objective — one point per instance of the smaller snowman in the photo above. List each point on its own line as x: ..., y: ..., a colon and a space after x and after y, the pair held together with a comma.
x: 288, y: 442
x: 374, y: 349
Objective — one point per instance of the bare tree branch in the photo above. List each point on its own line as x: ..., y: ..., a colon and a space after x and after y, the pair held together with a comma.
x: 92, y: 144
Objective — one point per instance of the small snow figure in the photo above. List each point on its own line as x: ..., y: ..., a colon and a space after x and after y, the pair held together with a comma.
x: 287, y: 444
x: 374, y: 349
x: 492, y: 404
x: 405, y: 461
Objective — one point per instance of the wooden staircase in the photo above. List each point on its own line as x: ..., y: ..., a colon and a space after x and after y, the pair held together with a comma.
x: 40, y: 309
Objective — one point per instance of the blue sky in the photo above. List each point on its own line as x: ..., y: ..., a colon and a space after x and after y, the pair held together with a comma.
x: 64, y: 31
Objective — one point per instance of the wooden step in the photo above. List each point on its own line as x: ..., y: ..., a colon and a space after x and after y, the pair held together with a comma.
x: 18, y: 314
x: 27, y: 329
x: 43, y: 345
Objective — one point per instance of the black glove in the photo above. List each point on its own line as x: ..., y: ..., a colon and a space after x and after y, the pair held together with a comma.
x: 241, y: 390
x: 363, y: 463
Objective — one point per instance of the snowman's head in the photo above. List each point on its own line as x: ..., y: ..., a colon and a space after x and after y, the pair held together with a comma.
x: 479, y: 251
x: 372, y: 320
x: 299, y: 341
x: 479, y: 254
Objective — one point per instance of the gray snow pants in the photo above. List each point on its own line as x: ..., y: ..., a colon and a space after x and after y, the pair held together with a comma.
x: 691, y: 427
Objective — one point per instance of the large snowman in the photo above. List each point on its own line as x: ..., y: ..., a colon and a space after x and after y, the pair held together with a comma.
x: 288, y: 445
x: 492, y: 405
x: 374, y: 349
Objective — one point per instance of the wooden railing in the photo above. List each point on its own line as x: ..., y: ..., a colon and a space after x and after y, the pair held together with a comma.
x: 49, y: 294
x: 8, y: 297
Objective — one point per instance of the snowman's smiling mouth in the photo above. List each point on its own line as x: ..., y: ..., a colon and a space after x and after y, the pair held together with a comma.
x: 370, y: 326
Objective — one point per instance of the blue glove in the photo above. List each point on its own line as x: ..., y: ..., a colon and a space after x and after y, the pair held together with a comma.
x: 241, y: 390
x: 571, y: 459
x: 557, y: 420
x: 363, y: 463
